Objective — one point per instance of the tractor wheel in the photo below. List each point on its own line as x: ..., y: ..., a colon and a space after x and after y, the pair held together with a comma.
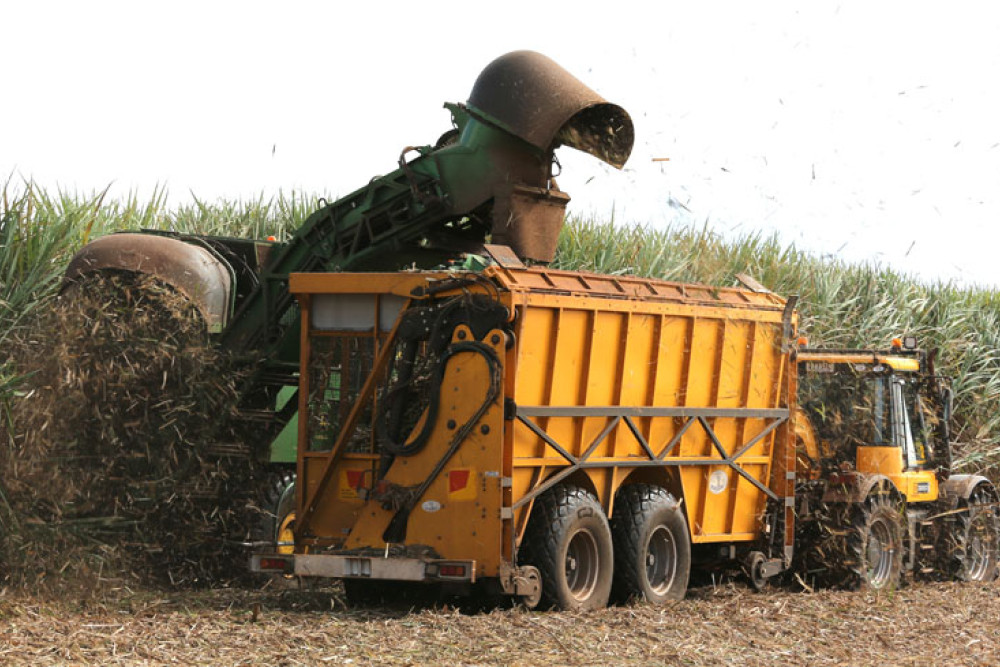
x: 975, y: 551
x: 568, y: 540
x: 277, y: 521
x: 875, y: 544
x: 652, y: 548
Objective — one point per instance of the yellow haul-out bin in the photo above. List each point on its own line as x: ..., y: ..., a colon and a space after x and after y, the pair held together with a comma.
x: 556, y: 435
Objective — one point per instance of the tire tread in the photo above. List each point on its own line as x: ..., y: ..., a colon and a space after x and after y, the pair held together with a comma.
x: 552, y: 511
x: 635, y: 502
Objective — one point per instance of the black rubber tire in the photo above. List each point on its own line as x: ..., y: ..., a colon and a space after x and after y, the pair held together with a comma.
x: 569, y: 540
x: 875, y: 544
x: 277, y: 502
x: 652, y: 545
x: 975, y: 551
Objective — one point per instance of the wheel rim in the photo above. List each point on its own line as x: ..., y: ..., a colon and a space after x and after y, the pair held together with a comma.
x: 977, y: 557
x: 582, y: 564
x: 755, y: 571
x: 980, y: 541
x: 881, y: 553
x: 531, y: 601
x: 661, y: 560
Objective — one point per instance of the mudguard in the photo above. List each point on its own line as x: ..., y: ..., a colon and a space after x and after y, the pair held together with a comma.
x: 856, y: 487
x: 192, y: 270
x: 958, y: 488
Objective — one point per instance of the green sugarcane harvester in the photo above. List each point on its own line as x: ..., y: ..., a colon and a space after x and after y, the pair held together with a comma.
x: 489, y: 178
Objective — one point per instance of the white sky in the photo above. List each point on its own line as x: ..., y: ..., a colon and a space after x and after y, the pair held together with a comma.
x: 866, y: 130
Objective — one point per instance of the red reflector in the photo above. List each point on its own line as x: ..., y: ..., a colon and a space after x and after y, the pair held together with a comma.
x: 356, y: 478
x: 273, y: 564
x: 457, y: 480
x: 452, y: 570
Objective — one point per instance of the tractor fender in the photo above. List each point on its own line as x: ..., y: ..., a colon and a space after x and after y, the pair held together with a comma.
x: 958, y: 488
x: 192, y: 270
x: 856, y: 487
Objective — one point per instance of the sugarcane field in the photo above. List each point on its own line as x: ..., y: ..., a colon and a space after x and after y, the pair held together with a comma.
x: 450, y: 416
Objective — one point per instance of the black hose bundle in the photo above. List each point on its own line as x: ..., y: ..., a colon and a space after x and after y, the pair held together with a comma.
x: 413, y: 393
x: 395, y: 532
x: 414, y: 390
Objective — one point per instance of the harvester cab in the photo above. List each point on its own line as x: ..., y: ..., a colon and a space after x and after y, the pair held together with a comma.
x: 874, y: 454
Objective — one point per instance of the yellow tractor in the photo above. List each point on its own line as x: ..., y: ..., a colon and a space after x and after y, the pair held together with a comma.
x: 876, y: 495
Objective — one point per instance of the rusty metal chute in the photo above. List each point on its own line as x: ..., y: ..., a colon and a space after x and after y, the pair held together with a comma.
x: 535, y: 99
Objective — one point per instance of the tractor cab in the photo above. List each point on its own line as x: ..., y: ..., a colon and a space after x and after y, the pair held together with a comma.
x: 876, y: 495
x: 872, y: 412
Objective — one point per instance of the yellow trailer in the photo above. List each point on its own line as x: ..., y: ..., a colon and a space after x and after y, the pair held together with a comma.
x: 560, y: 436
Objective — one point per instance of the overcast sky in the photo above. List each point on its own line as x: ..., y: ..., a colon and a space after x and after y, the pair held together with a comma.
x: 863, y: 130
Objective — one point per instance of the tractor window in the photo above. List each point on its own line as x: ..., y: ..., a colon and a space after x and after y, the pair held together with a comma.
x: 922, y: 421
x: 851, y: 406
x: 848, y: 409
x: 872, y: 414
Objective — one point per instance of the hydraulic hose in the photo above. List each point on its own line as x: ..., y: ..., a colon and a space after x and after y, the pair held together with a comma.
x: 395, y: 532
x: 437, y: 332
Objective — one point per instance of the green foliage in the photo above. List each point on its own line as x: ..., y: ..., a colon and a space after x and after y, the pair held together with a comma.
x: 842, y: 305
x: 40, y: 230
